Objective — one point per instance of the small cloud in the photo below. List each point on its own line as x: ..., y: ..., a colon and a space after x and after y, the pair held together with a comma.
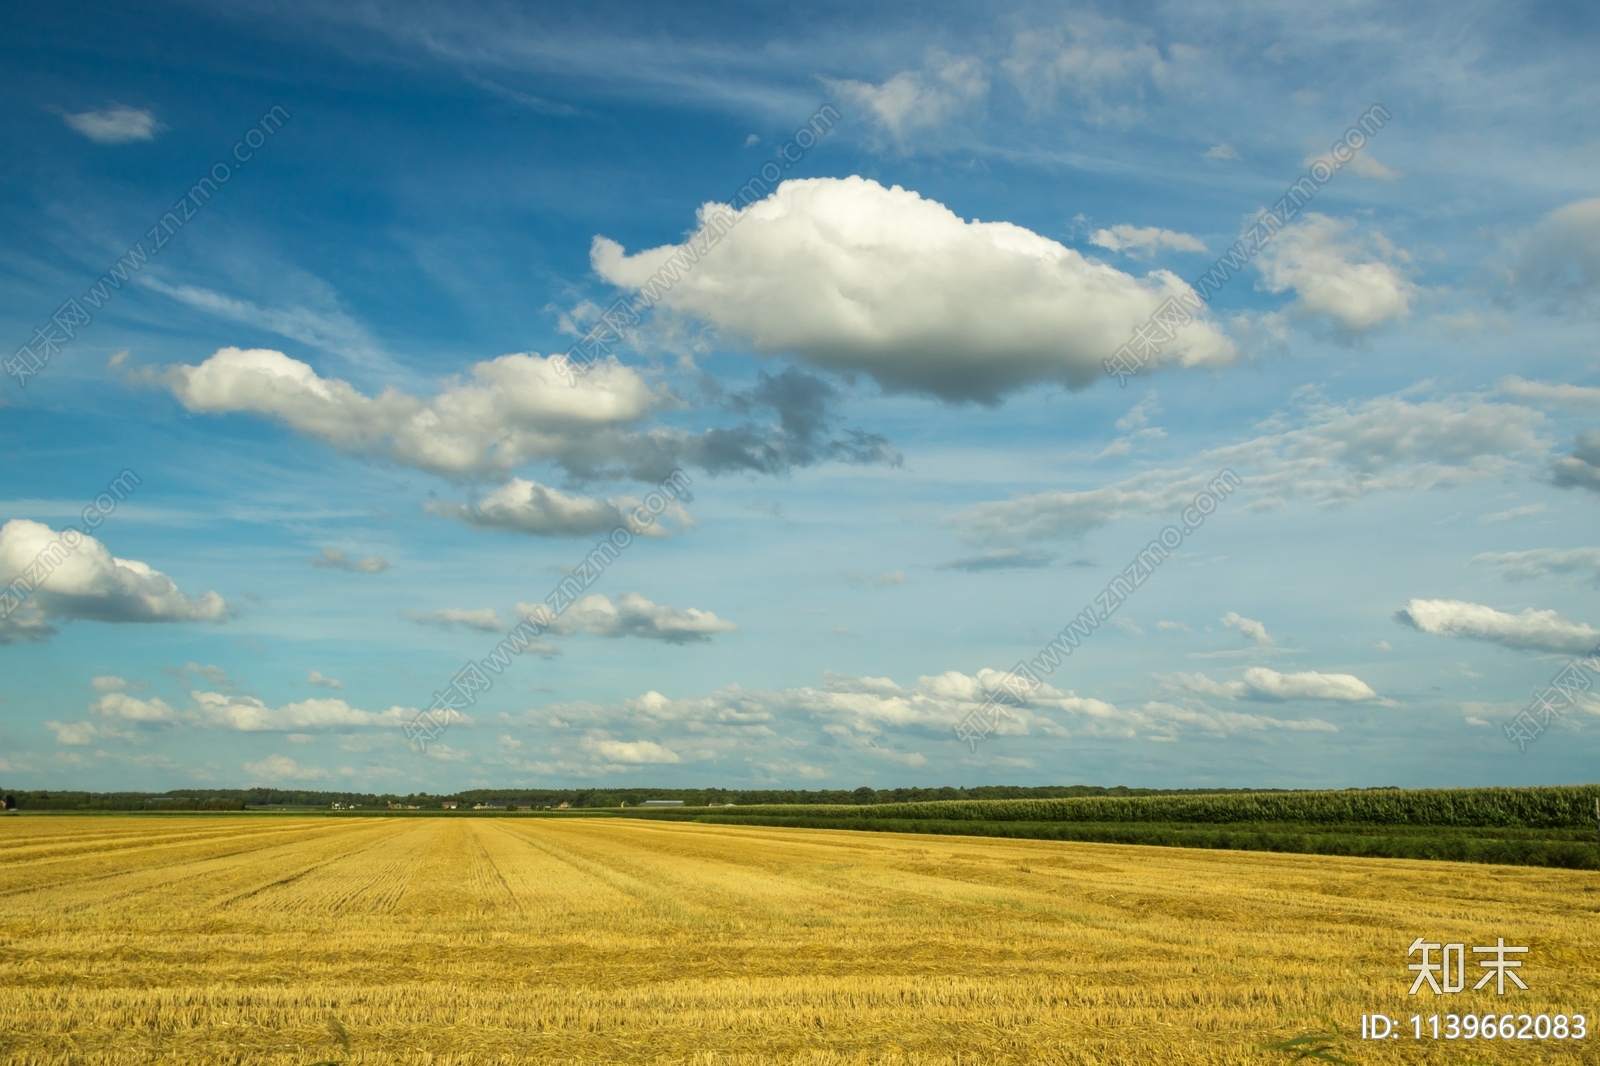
x: 316, y: 677
x: 639, y: 752
x: 484, y: 619
x: 1139, y: 415
x: 115, y: 125
x: 632, y: 615
x: 1515, y: 512
x: 74, y: 734
x: 892, y: 577
x: 298, y: 738
x: 1263, y: 684
x: 1001, y: 559
x: 752, y: 140
x: 1538, y: 562
x: 1137, y: 242
x: 1363, y: 164
x: 1221, y: 151
x: 1178, y: 626
x: 1572, y: 397
x: 214, y: 675
x: 109, y: 684
x: 1382, y: 645
x: 1473, y: 720
x: 335, y: 559
x: 1127, y: 626
x: 1249, y: 627
x: 276, y: 768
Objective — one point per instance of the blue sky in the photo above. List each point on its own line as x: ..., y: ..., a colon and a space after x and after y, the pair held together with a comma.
x: 355, y: 454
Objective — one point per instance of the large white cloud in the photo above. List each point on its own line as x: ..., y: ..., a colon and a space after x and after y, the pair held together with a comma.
x: 520, y: 409
x: 521, y: 506
x: 1357, y: 283
x: 1532, y: 630
x: 88, y: 582
x: 859, y: 278
x: 515, y: 409
x: 1336, y: 453
x: 634, y: 616
x: 1262, y: 684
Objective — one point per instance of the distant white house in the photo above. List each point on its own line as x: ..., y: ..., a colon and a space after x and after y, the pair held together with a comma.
x: 662, y: 803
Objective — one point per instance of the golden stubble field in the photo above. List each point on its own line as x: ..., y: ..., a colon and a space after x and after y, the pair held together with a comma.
x: 290, y: 940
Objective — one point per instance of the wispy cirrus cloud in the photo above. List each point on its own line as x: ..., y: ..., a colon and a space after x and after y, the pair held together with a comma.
x: 335, y: 559
x: 1539, y: 562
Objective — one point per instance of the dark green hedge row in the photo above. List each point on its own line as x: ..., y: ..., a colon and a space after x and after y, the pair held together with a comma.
x: 1534, y: 808
x: 1552, y: 848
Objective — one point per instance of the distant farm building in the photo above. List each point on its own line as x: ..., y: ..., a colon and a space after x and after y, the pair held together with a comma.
x: 662, y: 803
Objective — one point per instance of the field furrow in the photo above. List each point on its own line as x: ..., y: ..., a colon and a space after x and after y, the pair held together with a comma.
x: 453, y: 940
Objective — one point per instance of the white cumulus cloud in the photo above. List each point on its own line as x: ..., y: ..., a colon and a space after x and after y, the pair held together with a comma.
x: 1354, y: 282
x: 1248, y: 626
x: 1572, y: 397
x: 1531, y: 630
x: 631, y: 615
x: 316, y: 677
x: 1266, y: 685
x: 515, y: 409
x: 640, y: 752
x: 88, y: 582
x: 249, y: 715
x: 521, y: 506
x: 73, y: 733
x: 276, y: 769
x: 855, y: 277
x: 121, y: 706
x: 1143, y: 242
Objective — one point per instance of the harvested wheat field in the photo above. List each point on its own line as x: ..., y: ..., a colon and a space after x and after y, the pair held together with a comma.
x: 288, y: 940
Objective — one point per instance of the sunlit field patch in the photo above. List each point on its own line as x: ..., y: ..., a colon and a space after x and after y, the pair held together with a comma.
x: 288, y: 940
